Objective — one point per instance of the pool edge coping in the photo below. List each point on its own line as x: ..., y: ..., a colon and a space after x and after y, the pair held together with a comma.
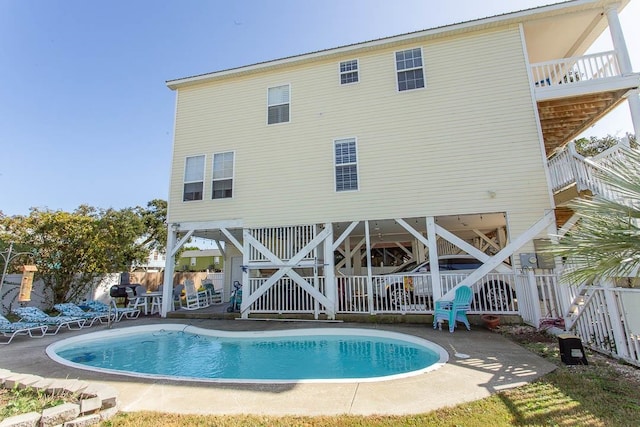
x: 443, y: 355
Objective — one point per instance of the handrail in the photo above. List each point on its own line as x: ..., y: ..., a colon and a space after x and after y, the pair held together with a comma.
x: 568, y: 167
x: 575, y: 69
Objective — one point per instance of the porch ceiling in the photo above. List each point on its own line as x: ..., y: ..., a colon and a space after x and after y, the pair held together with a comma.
x: 562, y: 35
x: 389, y: 231
x: 564, y: 119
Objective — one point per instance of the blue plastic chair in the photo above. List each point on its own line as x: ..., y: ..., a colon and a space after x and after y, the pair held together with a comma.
x: 454, y: 311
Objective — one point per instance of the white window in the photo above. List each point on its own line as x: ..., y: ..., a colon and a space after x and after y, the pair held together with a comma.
x: 222, y: 185
x: 409, y: 69
x: 349, y: 72
x: 346, y: 164
x: 193, y: 262
x: 193, y: 178
x: 278, y: 104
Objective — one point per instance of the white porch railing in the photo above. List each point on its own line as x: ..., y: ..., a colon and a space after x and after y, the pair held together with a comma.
x: 568, y: 167
x: 574, y: 70
x: 286, y: 296
x: 413, y: 293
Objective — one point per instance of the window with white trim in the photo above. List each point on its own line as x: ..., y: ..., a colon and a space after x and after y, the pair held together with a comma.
x: 346, y: 164
x: 193, y: 178
x: 349, y: 72
x: 278, y: 104
x: 409, y: 69
x: 222, y: 184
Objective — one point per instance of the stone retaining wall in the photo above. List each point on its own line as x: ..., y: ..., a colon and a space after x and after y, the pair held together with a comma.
x: 97, y: 402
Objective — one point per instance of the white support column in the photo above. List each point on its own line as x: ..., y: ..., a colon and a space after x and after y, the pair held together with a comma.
x: 330, y: 283
x: 369, y: 271
x: 244, y: 305
x: 622, y: 53
x: 433, y: 259
x: 169, y: 268
x: 617, y: 37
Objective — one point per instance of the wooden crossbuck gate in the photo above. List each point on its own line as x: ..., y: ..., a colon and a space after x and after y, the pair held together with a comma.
x: 285, y: 270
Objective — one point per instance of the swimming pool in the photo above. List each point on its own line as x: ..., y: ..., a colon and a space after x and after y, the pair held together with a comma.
x: 189, y: 353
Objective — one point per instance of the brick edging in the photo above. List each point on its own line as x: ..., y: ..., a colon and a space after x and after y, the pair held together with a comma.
x: 98, y: 402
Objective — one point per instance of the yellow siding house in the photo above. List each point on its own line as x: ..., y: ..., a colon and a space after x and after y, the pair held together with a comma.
x: 318, y: 174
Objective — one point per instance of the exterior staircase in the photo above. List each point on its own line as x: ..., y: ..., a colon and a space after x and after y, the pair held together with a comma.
x: 573, y: 175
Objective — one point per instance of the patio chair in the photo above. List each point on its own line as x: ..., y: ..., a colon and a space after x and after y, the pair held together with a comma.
x: 135, y: 301
x: 454, y: 311
x: 11, y: 329
x: 194, y: 299
x: 117, y: 313
x: 177, y: 295
x: 70, y: 309
x: 215, y: 295
x: 55, y: 323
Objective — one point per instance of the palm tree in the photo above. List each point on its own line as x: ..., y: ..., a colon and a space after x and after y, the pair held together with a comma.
x: 605, y: 242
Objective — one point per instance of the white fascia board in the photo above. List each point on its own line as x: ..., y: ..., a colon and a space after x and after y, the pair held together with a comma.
x: 630, y: 81
x: 209, y: 225
x: 474, y: 25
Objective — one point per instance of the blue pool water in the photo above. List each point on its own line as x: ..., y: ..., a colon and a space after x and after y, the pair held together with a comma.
x: 179, y: 352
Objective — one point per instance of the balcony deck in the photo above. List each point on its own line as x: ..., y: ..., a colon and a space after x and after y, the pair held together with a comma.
x: 574, y: 93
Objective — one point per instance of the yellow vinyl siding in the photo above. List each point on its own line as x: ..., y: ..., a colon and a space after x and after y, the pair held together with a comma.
x: 432, y: 151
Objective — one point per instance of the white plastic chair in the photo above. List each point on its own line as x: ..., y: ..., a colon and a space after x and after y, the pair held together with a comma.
x: 136, y: 302
x: 177, y: 295
x: 194, y: 299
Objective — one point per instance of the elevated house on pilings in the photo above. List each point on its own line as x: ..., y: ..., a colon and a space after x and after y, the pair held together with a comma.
x: 319, y: 173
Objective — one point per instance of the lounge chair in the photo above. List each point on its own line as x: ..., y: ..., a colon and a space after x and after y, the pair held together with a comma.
x: 454, y: 311
x: 70, y: 309
x: 11, y: 329
x: 117, y: 313
x: 55, y: 323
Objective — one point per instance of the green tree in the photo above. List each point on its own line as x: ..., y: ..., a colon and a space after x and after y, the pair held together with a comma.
x: 73, y: 250
x: 606, y: 240
x: 154, y: 218
x: 594, y: 145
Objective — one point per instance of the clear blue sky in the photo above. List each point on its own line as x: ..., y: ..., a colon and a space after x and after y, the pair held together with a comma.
x: 86, y: 117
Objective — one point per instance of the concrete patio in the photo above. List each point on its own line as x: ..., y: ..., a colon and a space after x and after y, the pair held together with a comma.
x: 493, y: 364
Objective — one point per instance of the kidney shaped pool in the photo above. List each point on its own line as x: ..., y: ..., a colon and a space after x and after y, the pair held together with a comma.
x: 179, y: 352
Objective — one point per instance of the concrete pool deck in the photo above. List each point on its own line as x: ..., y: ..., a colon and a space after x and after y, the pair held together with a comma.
x: 493, y: 364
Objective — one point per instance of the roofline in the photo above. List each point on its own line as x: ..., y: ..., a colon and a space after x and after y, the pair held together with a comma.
x: 476, y: 24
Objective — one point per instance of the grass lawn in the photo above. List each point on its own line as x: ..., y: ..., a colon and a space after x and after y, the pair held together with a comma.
x: 604, y: 393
